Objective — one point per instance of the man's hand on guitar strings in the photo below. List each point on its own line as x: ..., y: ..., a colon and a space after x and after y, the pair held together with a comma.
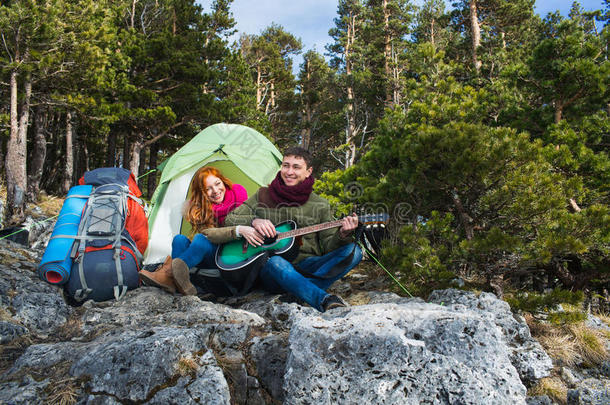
x: 264, y: 227
x: 251, y: 235
x: 349, y: 224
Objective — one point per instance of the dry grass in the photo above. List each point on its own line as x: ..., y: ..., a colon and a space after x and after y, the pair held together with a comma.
x: 553, y: 387
x: 359, y: 298
x: 570, y: 345
x: 5, y: 315
x: 560, y: 347
x: 50, y: 205
x: 605, y: 318
x: 591, y: 344
x: 187, y: 366
x: 71, y: 328
x: 63, y: 392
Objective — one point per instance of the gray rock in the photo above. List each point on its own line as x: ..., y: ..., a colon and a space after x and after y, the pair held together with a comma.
x: 269, y: 355
x: 527, y: 355
x: 596, y: 323
x: 153, y: 347
x: 149, y: 306
x: 98, y: 400
x: 206, y: 386
x: 409, y: 353
x: 539, y: 400
x: 41, y: 312
x: 36, y: 305
x: 568, y: 377
x: 39, y: 229
x: 26, y: 392
x: 130, y: 365
x: 590, y: 392
x: 605, y: 368
x: 10, y: 331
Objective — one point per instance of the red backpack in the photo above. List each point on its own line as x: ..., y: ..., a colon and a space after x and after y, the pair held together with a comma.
x: 112, y: 237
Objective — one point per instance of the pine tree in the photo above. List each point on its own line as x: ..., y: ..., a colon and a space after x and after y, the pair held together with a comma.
x: 268, y: 56
x: 319, y: 109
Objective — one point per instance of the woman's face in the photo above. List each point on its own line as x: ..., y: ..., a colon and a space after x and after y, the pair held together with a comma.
x: 215, y: 189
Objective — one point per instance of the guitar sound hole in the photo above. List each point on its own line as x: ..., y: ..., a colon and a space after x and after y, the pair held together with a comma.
x: 269, y: 241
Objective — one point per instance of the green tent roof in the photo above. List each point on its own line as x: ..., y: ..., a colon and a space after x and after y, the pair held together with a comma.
x: 251, y: 151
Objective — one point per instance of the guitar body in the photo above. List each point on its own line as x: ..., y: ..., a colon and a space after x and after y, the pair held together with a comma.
x: 232, y: 256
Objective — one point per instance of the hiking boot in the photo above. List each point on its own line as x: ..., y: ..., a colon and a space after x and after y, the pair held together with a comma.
x: 332, y: 301
x: 182, y: 278
x: 161, y: 277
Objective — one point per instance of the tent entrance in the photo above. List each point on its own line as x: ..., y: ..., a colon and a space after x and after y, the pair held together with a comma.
x: 230, y: 171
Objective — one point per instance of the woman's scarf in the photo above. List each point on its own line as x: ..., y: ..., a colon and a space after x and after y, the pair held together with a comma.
x: 282, y: 194
x: 234, y: 197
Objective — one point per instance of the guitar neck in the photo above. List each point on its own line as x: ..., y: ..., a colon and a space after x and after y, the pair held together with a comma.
x: 309, y: 229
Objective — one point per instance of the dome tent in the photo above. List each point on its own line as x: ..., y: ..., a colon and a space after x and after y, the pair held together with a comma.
x: 242, y: 154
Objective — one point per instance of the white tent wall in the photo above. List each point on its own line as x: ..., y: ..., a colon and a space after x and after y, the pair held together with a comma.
x: 169, y: 218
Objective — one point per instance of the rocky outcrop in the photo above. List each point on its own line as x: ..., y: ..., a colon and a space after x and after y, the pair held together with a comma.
x: 152, y: 347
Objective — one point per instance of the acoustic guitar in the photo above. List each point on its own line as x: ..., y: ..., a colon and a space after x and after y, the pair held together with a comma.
x: 238, y: 254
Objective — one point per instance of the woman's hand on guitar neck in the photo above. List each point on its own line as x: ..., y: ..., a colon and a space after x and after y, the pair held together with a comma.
x: 251, y: 235
x: 264, y: 227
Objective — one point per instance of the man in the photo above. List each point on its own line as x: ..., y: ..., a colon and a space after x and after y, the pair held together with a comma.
x: 324, y: 257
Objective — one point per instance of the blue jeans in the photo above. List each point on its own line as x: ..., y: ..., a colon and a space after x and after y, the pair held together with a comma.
x: 198, y: 251
x: 279, y: 275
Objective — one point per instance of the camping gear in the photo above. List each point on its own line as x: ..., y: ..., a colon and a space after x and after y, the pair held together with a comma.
x: 112, y: 229
x: 242, y: 154
x: 56, y: 262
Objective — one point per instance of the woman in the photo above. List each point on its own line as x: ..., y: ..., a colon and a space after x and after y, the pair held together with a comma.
x: 213, y: 196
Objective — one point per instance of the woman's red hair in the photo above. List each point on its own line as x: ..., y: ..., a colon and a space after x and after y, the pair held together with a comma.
x: 200, y: 213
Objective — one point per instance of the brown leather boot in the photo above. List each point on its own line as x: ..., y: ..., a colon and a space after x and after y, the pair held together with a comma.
x: 180, y: 272
x: 161, y: 277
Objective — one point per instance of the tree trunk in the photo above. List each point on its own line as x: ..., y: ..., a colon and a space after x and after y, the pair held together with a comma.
x: 133, y: 14
x: 558, y: 112
x: 81, y: 160
x: 111, y: 151
x: 387, y: 55
x: 350, y: 134
x: 396, y: 77
x: 306, y: 132
x: 134, y: 156
x: 465, y: 219
x: 126, y: 161
x: 475, y: 30
x: 432, y: 36
x: 259, y: 89
x: 142, y: 168
x: 16, y: 176
x: 69, y: 168
x: 273, y: 101
x: 152, y: 163
x: 307, y: 115
x: 39, y: 154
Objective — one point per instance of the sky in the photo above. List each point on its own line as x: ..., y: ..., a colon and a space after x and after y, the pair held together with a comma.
x: 310, y: 20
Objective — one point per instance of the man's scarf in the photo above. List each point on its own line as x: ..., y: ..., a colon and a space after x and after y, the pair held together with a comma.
x: 285, y: 195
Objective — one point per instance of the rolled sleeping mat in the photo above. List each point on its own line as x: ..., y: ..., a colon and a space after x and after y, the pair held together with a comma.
x: 56, y: 262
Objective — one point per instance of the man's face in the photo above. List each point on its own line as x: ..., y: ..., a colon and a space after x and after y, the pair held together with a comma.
x: 294, y: 170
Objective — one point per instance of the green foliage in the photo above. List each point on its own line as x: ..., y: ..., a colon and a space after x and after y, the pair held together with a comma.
x: 568, y: 317
x: 535, y: 303
x: 419, y: 255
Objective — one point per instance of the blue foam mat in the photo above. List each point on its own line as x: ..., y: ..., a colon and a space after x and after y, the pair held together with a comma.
x: 56, y: 258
